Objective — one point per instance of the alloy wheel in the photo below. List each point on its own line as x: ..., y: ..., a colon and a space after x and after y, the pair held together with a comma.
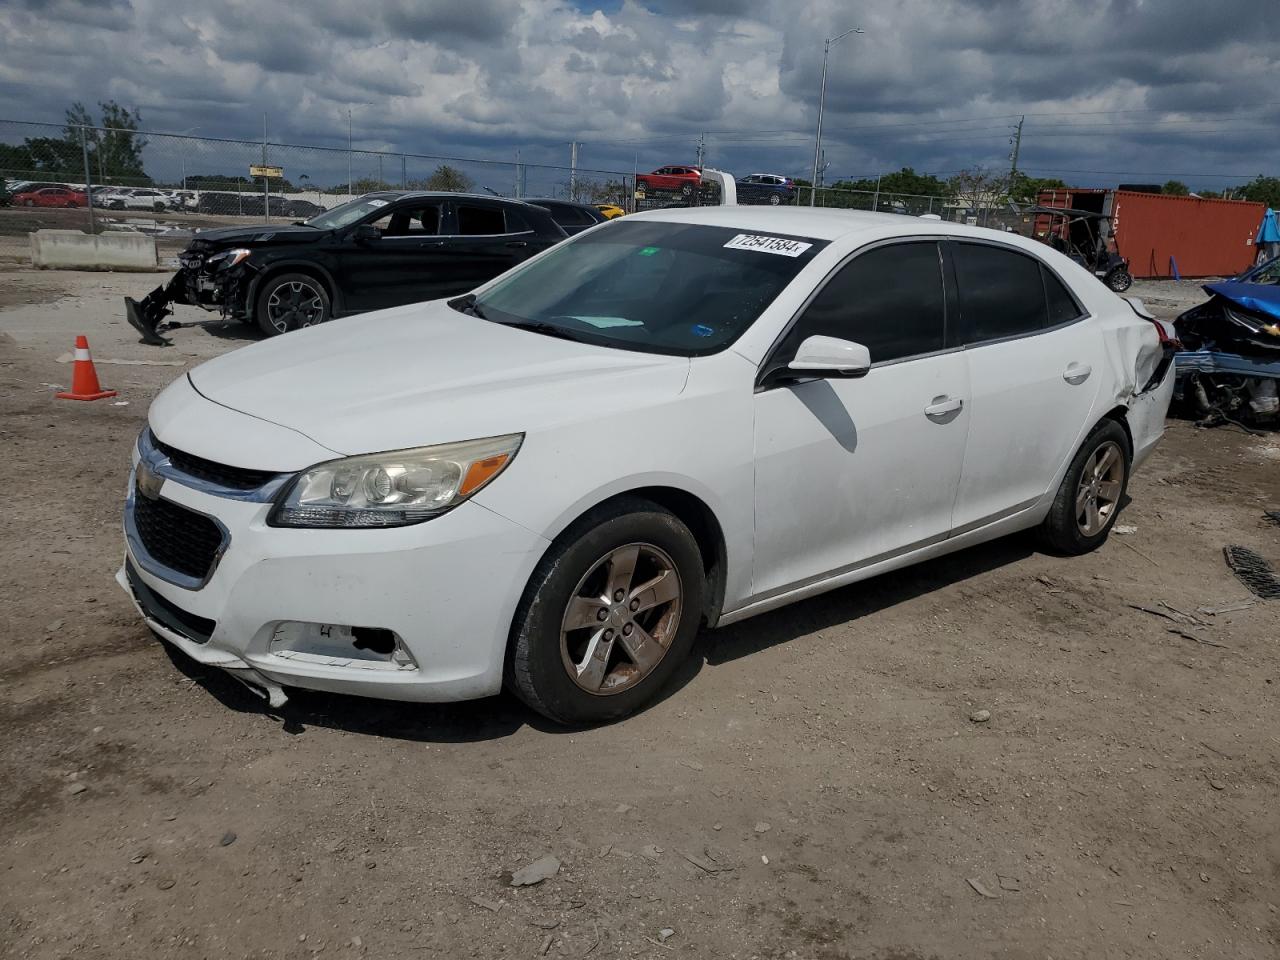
x: 621, y: 619
x: 1101, y: 483
x: 293, y: 305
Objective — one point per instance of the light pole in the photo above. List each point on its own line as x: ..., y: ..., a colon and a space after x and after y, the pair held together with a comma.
x: 184, y: 134
x: 822, y: 99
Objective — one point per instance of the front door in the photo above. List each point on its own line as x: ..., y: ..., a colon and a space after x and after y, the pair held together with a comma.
x: 1035, y: 363
x: 403, y: 264
x: 852, y: 471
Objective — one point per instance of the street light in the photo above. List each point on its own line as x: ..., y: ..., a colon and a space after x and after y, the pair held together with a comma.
x: 822, y: 99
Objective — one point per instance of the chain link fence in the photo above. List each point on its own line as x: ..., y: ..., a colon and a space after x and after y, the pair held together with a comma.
x: 982, y: 213
x: 145, y: 180
x: 146, y: 175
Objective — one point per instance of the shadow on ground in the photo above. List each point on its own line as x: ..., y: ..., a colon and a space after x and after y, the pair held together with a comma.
x: 501, y: 716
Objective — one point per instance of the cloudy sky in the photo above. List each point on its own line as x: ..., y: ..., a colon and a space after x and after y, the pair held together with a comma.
x: 1112, y: 90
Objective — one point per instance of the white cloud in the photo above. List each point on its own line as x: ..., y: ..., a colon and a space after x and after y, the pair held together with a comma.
x: 486, y: 76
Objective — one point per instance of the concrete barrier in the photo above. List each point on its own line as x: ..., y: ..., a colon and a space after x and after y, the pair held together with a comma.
x: 110, y: 250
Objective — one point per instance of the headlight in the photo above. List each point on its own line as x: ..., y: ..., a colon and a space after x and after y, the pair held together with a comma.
x: 392, y: 489
x: 228, y: 258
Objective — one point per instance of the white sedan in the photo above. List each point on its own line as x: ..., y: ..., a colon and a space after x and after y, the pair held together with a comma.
x: 676, y: 419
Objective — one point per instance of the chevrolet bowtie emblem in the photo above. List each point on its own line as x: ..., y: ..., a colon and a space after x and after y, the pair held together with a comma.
x: 149, y: 483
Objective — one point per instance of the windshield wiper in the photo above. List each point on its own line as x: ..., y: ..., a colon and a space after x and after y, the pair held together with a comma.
x: 539, y: 326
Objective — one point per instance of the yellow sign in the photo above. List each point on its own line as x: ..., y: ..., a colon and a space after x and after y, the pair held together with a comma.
x: 257, y: 170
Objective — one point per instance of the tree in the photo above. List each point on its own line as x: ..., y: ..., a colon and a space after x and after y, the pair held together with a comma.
x: 1262, y: 190
x: 905, y: 181
x: 979, y: 188
x: 1175, y: 188
x: 448, y: 178
x: 1027, y: 189
x: 114, y: 146
x: 372, y: 185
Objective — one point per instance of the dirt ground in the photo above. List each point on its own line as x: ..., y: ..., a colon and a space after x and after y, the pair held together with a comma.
x: 812, y: 787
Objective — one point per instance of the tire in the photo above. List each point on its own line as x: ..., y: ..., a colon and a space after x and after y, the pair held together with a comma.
x: 774, y: 199
x: 30, y: 203
x: 551, y: 669
x: 159, y: 208
x: 290, y: 301
x: 1070, y: 528
x: 686, y: 189
x: 1119, y: 280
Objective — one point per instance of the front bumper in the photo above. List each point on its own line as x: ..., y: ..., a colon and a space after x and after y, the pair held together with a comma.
x: 447, y: 589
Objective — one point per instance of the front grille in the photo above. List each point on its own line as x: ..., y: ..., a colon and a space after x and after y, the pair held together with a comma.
x: 233, y: 478
x: 176, y: 537
x: 184, y: 622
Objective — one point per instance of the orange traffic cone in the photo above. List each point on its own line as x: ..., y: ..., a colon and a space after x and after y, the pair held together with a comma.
x: 84, y: 376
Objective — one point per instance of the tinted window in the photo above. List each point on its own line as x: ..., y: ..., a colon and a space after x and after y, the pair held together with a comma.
x: 1001, y: 293
x: 411, y: 222
x: 570, y: 216
x: 889, y: 300
x: 1062, y: 306
x: 480, y: 221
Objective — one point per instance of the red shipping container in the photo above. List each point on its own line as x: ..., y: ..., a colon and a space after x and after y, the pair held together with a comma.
x: 1206, y: 238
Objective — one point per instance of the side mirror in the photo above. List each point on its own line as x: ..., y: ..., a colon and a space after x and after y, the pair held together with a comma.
x: 365, y: 232
x: 831, y: 357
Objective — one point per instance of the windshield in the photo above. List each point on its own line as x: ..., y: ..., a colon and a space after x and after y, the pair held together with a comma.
x: 674, y: 288
x: 348, y: 213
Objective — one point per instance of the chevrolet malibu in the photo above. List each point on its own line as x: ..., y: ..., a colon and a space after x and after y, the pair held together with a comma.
x: 678, y: 419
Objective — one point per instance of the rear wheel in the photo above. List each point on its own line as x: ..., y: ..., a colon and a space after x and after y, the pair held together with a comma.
x: 608, y: 615
x: 1089, y: 498
x: 1119, y: 280
x: 291, y: 301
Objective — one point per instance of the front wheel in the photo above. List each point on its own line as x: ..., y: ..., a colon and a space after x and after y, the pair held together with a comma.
x: 1089, y: 498
x: 774, y: 199
x: 291, y: 301
x: 608, y: 615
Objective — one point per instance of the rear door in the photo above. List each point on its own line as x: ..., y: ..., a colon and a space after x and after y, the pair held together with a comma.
x: 487, y: 239
x: 1035, y: 363
x: 406, y: 263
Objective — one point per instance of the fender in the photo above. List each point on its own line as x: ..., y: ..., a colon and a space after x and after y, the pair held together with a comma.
x: 303, y: 266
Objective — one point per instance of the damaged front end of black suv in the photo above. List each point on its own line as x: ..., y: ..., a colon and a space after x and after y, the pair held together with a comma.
x: 208, y: 277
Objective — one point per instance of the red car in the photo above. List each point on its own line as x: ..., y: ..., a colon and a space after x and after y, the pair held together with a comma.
x: 51, y: 197
x: 684, y: 179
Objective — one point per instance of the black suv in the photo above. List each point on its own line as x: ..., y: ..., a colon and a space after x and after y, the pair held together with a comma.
x: 381, y: 250
x: 573, y: 217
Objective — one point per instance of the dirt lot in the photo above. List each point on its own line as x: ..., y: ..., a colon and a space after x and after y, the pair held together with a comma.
x: 813, y: 786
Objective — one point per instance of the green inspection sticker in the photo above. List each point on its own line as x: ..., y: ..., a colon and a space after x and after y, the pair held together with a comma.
x: 648, y: 251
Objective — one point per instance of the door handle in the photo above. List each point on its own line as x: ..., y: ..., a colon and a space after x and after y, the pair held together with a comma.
x: 518, y: 243
x: 942, y: 406
x: 431, y: 243
x: 1077, y: 373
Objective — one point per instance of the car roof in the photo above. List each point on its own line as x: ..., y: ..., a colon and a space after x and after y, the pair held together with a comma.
x: 829, y: 224
x: 568, y: 203
x: 439, y: 195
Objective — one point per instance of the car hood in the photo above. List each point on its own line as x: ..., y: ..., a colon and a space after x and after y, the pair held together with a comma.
x: 262, y: 234
x: 425, y: 374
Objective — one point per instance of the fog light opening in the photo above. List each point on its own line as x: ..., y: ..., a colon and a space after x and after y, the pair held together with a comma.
x: 374, y: 639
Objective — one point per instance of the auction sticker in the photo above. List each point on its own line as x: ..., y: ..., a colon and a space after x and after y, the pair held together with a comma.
x: 762, y: 244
